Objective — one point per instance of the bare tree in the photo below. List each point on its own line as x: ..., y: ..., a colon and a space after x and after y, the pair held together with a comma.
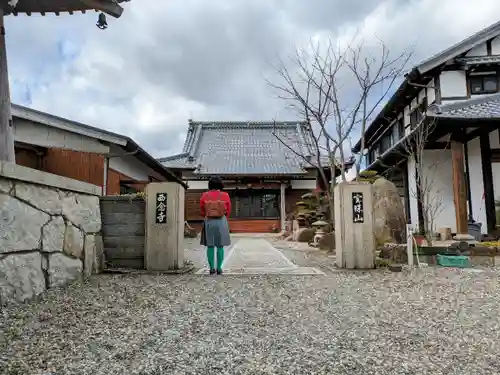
x: 426, y: 190
x: 336, y: 90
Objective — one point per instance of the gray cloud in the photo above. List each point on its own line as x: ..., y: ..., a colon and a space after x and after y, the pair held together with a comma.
x: 163, y: 62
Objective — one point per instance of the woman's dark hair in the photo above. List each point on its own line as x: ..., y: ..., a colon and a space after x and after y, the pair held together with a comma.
x: 215, y: 183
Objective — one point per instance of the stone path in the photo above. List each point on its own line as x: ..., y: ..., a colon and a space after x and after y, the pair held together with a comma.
x: 256, y: 256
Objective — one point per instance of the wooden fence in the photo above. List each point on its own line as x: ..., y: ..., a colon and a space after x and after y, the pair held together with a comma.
x: 123, y: 226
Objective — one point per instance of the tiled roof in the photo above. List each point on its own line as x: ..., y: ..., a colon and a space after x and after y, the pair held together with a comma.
x: 226, y: 148
x: 485, y: 107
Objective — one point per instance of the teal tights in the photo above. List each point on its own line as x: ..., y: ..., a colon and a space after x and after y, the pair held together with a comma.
x: 210, y: 256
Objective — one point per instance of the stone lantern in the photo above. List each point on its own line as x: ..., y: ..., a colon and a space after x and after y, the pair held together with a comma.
x: 320, y: 231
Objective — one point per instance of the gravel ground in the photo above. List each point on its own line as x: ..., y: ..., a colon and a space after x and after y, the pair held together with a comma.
x: 434, y: 321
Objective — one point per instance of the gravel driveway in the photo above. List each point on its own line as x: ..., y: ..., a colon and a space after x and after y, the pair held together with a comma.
x: 434, y: 321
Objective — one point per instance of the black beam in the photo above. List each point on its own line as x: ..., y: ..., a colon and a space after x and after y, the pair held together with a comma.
x: 480, y: 130
x: 436, y: 145
x: 489, y: 194
x: 420, y: 207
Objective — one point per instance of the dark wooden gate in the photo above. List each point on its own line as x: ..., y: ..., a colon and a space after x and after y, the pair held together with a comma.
x: 123, y: 226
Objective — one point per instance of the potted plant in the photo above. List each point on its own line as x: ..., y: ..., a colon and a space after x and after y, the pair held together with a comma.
x: 418, y: 238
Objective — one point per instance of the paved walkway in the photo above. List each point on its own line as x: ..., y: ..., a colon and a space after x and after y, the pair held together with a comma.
x: 256, y: 256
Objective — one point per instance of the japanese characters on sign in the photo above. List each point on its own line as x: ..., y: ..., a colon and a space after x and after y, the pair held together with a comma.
x: 161, y: 208
x: 357, y: 208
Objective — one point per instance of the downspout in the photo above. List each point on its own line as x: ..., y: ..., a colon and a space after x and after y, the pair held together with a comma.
x: 105, y: 176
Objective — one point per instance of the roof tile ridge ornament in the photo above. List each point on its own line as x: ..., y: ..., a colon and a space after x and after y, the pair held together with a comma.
x: 434, y: 109
x: 189, y: 137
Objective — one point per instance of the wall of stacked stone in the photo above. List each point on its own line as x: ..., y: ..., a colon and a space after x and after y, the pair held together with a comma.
x: 50, y: 232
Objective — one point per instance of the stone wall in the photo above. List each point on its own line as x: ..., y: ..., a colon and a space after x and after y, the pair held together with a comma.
x: 49, y: 232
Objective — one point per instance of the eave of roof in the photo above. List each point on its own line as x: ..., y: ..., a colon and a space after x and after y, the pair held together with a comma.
x: 459, y: 48
x: 28, y: 7
x: 426, y: 66
x: 400, y: 93
x: 128, y: 144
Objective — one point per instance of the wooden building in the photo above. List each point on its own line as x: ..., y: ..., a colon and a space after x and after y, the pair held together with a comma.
x: 85, y: 153
x: 458, y: 90
x: 265, y: 174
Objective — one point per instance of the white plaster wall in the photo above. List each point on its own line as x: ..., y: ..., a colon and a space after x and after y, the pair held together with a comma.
x: 437, y: 164
x: 197, y: 185
x: 476, y: 183
x: 438, y: 176
x: 453, y: 83
x: 480, y: 50
x: 431, y: 92
x: 412, y: 185
x: 406, y: 117
x: 495, y: 46
x: 303, y: 184
x: 494, y: 143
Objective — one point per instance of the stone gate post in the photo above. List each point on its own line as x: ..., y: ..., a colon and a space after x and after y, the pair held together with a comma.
x: 164, y: 245
x: 354, y: 224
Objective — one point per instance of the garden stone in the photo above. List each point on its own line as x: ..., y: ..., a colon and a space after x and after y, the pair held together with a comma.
x: 388, y: 212
x: 305, y: 235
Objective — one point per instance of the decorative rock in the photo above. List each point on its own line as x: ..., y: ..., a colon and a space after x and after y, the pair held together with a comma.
x: 73, y: 241
x: 304, y: 234
x: 21, y: 277
x: 83, y: 211
x: 389, y: 213
x: 20, y: 225
x: 5, y: 186
x: 327, y: 242
x: 89, y: 255
x: 283, y: 235
x: 396, y: 267
x: 62, y: 270
x: 395, y: 252
x: 53, y: 235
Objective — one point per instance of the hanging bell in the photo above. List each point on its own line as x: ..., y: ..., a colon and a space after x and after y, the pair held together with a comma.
x: 101, y: 21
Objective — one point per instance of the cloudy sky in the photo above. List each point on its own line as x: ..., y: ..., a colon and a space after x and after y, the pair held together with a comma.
x: 164, y: 62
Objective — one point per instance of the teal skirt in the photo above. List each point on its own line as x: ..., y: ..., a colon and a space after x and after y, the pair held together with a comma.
x: 215, y: 232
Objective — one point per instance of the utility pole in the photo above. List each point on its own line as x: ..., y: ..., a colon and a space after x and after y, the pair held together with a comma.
x: 7, y: 152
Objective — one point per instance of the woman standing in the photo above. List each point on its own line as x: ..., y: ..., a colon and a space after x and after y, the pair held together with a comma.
x: 215, y: 207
